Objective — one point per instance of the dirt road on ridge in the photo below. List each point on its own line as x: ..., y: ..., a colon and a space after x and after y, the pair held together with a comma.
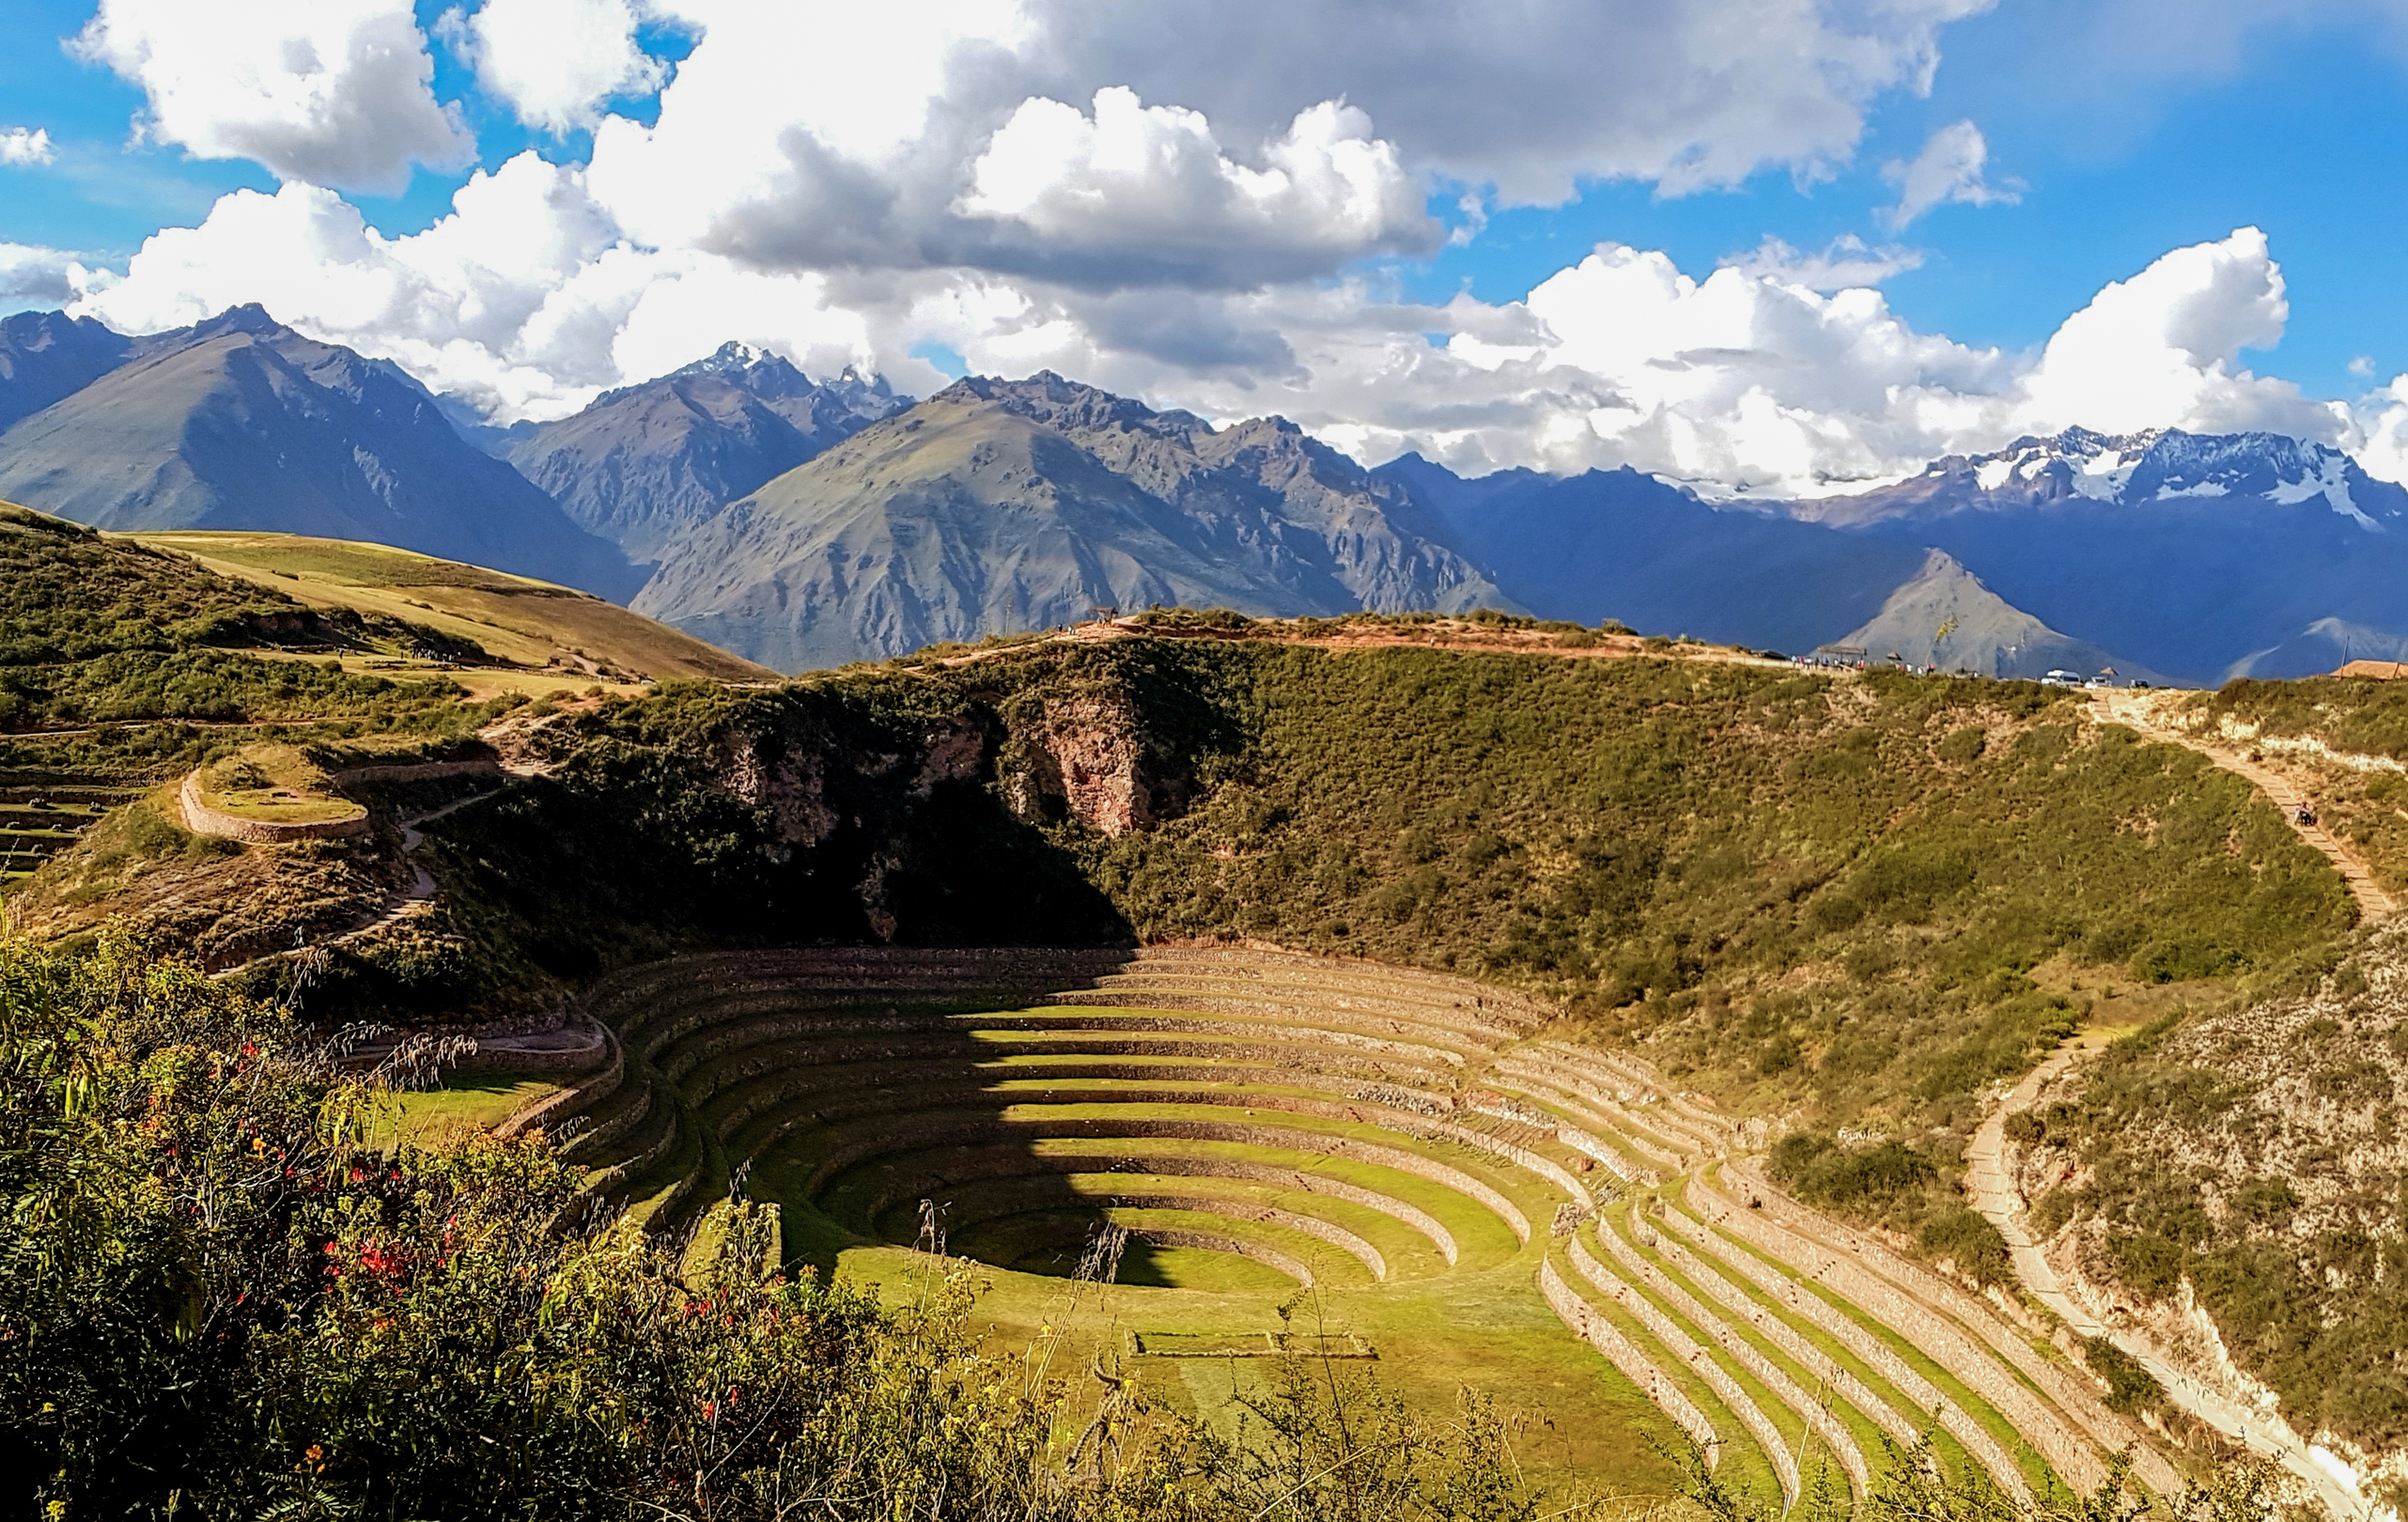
x: 2137, y: 711
x: 1993, y: 1191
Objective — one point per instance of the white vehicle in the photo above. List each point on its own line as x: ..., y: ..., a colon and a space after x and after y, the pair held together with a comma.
x: 2061, y: 679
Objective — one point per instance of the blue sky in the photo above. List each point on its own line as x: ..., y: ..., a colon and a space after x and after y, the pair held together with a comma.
x: 2308, y: 141
x: 2117, y: 147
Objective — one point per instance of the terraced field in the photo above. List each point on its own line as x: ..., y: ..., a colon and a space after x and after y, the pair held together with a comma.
x: 1418, y: 1167
x: 41, y: 813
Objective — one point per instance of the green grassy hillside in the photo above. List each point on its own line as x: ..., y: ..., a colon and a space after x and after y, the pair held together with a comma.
x: 551, y: 630
x: 1856, y: 901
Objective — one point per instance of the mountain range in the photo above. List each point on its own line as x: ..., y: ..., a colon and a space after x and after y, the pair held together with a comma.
x: 804, y: 523
x: 998, y: 506
x: 241, y: 423
x: 644, y: 463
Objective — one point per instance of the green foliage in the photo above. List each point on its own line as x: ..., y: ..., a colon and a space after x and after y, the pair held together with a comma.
x: 1824, y: 1173
x: 2131, y: 1389
x: 106, y: 631
x: 2315, y: 1305
x: 1966, y: 1239
x: 222, y: 1301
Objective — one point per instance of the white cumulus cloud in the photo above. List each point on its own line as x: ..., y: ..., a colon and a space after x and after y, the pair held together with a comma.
x: 1151, y: 186
x: 21, y: 145
x: 2164, y: 348
x: 555, y: 62
x: 523, y: 298
x: 329, y: 92
x: 1532, y: 96
x: 1031, y: 187
x: 1949, y: 170
x: 32, y: 275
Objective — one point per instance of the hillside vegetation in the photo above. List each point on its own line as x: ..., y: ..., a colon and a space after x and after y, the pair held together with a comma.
x: 2253, y: 1155
x: 97, y: 630
x: 1834, y: 898
x: 530, y: 623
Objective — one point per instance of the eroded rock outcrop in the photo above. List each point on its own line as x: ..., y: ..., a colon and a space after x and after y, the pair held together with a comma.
x: 1083, y: 754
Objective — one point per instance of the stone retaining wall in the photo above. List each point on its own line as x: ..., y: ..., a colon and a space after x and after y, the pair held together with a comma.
x: 2076, y: 1461
x: 994, y: 1205
x: 1624, y: 1355
x: 1017, y: 1162
x: 1635, y: 1131
x: 1282, y: 1139
x: 1884, y: 1361
x: 1795, y: 1345
x: 1818, y: 1420
x: 1683, y: 1347
x: 2076, y: 1395
x: 1295, y: 1268
x: 203, y: 820
x: 569, y: 1103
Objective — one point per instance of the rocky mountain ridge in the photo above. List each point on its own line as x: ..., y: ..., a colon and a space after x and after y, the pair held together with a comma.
x: 242, y: 423
x: 1000, y: 505
x: 645, y: 462
x: 2199, y: 556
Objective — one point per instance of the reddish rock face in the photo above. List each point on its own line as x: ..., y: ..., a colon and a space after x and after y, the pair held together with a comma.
x: 793, y: 789
x: 1084, y: 750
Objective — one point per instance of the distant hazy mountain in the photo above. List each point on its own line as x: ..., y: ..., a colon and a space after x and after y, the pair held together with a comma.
x: 242, y: 423
x: 1944, y: 616
x: 48, y: 356
x: 1002, y: 505
x: 643, y: 462
x: 1617, y: 544
x: 2205, y: 556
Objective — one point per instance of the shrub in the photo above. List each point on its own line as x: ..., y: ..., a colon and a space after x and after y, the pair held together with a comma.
x: 1971, y: 1242
x: 1821, y: 1172
x: 2131, y: 1389
x: 2150, y: 1264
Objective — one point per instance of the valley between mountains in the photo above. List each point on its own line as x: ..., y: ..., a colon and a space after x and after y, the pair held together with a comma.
x: 1663, y: 1042
x: 805, y: 524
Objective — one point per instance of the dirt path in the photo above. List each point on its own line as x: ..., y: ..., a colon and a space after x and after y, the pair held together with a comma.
x: 421, y: 891
x: 2137, y: 711
x: 397, y: 906
x: 1993, y: 1192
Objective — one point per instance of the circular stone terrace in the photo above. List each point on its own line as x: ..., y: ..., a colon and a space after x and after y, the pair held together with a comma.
x: 1312, y: 1153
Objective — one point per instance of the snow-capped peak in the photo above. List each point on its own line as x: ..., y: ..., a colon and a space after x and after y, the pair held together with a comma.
x: 733, y: 357
x: 2084, y: 464
x: 2164, y: 465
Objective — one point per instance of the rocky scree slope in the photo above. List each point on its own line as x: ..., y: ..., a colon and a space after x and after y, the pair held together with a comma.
x: 645, y: 462
x: 242, y: 423
x: 1006, y: 506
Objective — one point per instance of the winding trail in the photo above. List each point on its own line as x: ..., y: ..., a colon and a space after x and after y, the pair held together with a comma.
x: 1993, y: 1191
x: 413, y: 899
x: 401, y: 903
x: 1990, y: 1186
x: 2137, y: 711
